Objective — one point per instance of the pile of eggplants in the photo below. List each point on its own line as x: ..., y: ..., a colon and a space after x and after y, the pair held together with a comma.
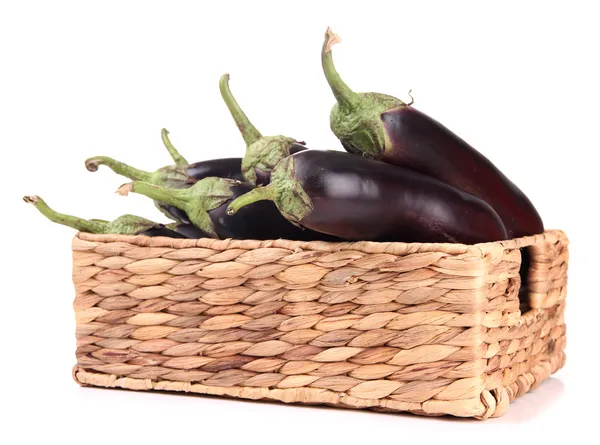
x: 404, y: 177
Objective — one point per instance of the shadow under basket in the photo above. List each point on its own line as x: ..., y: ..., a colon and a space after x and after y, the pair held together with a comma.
x: 432, y: 329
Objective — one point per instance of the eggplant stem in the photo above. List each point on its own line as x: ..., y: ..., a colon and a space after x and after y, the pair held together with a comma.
x: 342, y: 92
x: 412, y: 99
x: 83, y: 225
x: 248, y: 131
x: 179, y: 160
x: 254, y: 195
x: 174, y: 197
x: 118, y: 167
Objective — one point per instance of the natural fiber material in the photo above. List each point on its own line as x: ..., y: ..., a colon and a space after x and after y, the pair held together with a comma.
x: 428, y: 328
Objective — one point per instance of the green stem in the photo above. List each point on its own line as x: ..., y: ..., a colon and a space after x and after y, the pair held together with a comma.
x: 179, y: 160
x: 249, y: 131
x: 342, y: 92
x: 118, y: 167
x: 175, y: 197
x: 257, y: 194
x: 83, y: 225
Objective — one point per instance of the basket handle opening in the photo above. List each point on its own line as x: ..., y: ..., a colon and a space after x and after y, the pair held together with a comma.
x: 524, y: 302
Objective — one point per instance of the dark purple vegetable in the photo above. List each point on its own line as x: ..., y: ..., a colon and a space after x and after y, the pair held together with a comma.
x: 123, y: 225
x: 160, y: 230
x: 362, y: 199
x: 187, y: 230
x: 180, y: 175
x: 383, y: 127
x: 262, y: 152
x: 206, y: 202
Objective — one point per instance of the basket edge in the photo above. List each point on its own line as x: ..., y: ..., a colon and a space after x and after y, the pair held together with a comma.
x: 83, y: 239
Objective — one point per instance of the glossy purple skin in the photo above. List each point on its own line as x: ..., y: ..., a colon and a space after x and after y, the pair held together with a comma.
x: 174, y: 213
x: 181, y: 231
x: 362, y: 199
x: 190, y: 231
x: 221, y: 168
x: 260, y: 220
x: 162, y: 231
x: 264, y: 177
x: 424, y: 145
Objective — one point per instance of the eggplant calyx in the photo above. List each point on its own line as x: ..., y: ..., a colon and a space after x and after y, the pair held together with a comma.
x: 264, y: 154
x: 285, y: 190
x: 172, y: 176
x: 204, y: 196
x: 356, y: 117
x: 360, y: 129
x: 130, y: 225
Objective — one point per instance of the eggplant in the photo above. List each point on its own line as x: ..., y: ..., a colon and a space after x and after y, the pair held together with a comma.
x: 262, y: 152
x: 383, y: 127
x: 205, y: 204
x: 180, y: 175
x: 354, y: 198
x: 188, y: 230
x: 123, y: 225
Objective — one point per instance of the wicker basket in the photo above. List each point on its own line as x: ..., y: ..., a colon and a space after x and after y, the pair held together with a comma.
x: 432, y: 329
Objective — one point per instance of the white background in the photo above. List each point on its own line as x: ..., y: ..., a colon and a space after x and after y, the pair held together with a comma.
x: 518, y: 80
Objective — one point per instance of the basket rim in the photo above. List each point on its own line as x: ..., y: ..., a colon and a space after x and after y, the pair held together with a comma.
x: 480, y: 250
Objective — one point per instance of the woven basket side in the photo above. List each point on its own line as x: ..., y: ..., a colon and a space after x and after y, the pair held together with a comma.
x: 491, y: 403
x: 349, y: 324
x: 523, y: 353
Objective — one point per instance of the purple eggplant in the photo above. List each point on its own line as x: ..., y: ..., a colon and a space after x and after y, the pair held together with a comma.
x: 353, y: 198
x: 180, y: 175
x: 262, y: 152
x: 383, y: 127
x: 205, y: 204
x: 187, y: 230
x: 123, y: 225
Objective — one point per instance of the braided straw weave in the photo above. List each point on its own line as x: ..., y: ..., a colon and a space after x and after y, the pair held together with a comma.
x: 432, y: 329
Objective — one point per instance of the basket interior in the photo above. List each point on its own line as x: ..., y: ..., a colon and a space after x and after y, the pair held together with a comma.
x: 524, y: 303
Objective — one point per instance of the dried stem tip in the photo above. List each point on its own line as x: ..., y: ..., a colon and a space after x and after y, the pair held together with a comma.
x: 125, y: 189
x: 330, y: 39
x: 31, y: 199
